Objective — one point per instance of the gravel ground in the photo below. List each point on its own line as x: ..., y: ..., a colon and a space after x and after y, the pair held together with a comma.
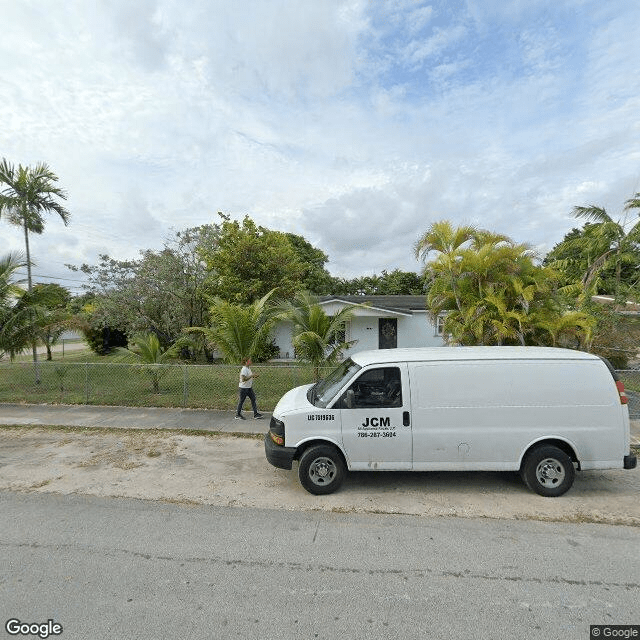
x: 229, y: 470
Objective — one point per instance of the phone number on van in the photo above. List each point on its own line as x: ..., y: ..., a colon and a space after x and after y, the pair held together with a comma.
x: 377, y: 434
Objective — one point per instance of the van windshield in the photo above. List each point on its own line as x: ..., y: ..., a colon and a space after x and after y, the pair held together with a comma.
x: 321, y: 394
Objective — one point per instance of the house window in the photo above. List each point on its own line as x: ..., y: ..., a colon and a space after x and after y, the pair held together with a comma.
x: 440, y: 324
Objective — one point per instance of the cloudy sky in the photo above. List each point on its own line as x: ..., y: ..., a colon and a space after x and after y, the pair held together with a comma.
x: 354, y: 123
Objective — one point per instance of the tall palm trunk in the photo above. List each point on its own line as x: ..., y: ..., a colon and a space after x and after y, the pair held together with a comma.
x: 34, y: 348
x: 26, y: 244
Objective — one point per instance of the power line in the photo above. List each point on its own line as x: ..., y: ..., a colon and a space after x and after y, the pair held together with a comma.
x: 40, y: 275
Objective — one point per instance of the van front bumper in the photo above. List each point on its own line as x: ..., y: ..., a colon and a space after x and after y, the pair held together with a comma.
x: 277, y: 455
x: 630, y: 462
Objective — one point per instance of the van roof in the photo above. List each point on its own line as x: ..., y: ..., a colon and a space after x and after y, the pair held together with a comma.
x: 436, y: 354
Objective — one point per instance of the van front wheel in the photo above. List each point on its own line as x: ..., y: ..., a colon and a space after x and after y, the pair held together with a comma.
x: 321, y: 469
x: 548, y: 471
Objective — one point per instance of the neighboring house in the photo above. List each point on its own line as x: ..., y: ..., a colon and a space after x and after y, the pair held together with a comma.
x: 379, y: 322
x: 626, y: 309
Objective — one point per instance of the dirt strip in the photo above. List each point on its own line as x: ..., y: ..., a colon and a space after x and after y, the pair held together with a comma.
x: 228, y: 470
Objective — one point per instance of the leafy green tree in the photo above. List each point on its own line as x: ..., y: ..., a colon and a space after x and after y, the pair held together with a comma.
x: 317, y: 337
x: 162, y: 292
x: 249, y: 261
x: 615, y: 336
x: 55, y: 317
x: 574, y: 257
x: 103, y: 340
x: 608, y: 244
x: 240, y: 331
x: 315, y: 277
x: 388, y: 283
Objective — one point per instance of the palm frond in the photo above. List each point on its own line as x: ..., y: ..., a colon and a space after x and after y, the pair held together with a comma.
x: 633, y: 203
x: 592, y: 212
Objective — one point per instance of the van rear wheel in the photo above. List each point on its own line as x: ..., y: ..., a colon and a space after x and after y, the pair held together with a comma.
x: 321, y: 469
x: 548, y: 471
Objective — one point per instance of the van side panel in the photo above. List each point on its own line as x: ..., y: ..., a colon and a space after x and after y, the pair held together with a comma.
x: 485, y: 414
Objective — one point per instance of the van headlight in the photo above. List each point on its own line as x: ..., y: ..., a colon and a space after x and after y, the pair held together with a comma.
x: 276, y: 431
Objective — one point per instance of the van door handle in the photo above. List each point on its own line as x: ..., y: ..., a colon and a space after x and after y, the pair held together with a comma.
x: 406, y: 420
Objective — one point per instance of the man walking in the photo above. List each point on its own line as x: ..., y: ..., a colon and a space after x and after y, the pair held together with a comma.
x: 246, y: 390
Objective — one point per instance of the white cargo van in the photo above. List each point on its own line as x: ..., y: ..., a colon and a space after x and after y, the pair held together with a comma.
x: 542, y: 411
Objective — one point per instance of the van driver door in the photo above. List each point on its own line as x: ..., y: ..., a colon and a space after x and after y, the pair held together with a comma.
x: 376, y: 419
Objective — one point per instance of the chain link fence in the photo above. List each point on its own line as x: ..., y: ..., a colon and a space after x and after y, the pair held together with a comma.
x: 631, y: 380
x: 196, y: 386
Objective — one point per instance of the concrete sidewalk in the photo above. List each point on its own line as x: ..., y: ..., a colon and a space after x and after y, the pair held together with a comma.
x: 151, y: 418
x: 131, y: 417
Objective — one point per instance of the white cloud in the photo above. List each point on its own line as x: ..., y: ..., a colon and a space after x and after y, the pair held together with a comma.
x: 418, y: 51
x: 356, y: 123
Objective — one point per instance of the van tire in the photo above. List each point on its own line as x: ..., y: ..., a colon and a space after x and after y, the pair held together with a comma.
x: 548, y: 471
x: 321, y: 469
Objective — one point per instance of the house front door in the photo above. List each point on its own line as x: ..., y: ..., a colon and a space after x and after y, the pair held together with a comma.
x: 387, y: 333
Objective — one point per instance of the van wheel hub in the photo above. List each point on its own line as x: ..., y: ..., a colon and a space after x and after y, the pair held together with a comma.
x: 322, y: 471
x: 550, y: 472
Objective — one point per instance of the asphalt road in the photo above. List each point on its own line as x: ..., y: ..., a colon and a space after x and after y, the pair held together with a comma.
x: 121, y: 568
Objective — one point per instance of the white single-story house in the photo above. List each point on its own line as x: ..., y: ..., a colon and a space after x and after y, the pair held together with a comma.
x: 378, y: 322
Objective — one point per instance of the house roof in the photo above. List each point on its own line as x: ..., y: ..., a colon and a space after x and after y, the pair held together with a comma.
x: 405, y: 305
x: 624, y: 308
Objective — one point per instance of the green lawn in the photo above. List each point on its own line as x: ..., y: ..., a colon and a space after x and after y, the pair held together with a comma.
x: 79, y: 379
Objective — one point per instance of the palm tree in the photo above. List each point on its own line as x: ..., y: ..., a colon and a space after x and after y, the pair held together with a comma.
x: 9, y: 287
x: 150, y: 353
x: 22, y: 312
x: 9, y: 293
x: 489, y: 286
x: 610, y: 239
x: 239, y: 331
x: 317, y: 337
x: 28, y: 194
x: 573, y: 329
x: 448, y: 241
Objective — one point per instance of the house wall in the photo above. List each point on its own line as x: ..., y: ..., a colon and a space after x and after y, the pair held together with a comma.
x: 365, y: 331
x: 418, y: 331
x: 413, y: 331
x: 282, y: 337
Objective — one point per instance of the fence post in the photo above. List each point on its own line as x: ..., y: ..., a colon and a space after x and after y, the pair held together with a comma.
x: 86, y: 383
x: 185, y: 386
